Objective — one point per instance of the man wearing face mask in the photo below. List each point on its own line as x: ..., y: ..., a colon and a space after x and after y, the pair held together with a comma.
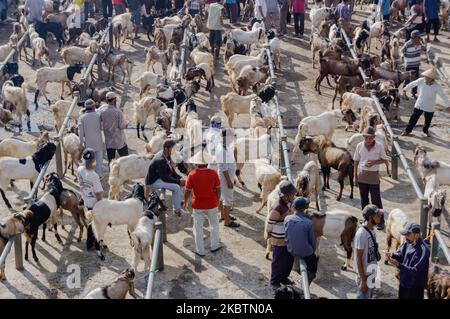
x: 367, y: 254
x: 282, y: 260
x: 214, y: 138
x: 425, y: 103
x: 412, y: 259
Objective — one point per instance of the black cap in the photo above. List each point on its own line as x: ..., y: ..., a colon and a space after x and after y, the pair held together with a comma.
x: 169, y: 143
x: 88, y: 155
x: 286, y: 188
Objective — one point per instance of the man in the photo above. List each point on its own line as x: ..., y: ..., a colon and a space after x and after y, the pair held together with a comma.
x: 300, y: 237
x: 342, y: 11
x: 298, y: 10
x: 204, y: 185
x: 425, y: 103
x: 385, y: 6
x: 260, y: 10
x: 89, y: 127
x: 431, y: 13
x: 194, y: 7
x: 91, y: 191
x: 412, y: 259
x: 3, y: 10
x: 214, y: 138
x: 119, y: 6
x: 231, y: 7
x: 367, y: 254
x: 33, y: 10
x: 412, y: 51
x: 284, y: 7
x: 134, y: 7
x: 226, y: 169
x: 369, y: 154
x: 113, y: 125
x: 107, y: 8
x: 162, y: 174
x: 415, y: 21
x: 282, y: 260
x: 272, y: 15
x: 215, y: 26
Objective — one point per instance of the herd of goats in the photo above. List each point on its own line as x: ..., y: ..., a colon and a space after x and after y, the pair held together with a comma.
x: 246, y: 61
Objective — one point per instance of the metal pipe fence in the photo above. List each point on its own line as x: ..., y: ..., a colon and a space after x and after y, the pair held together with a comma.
x: 396, y: 150
x: 13, y: 52
x: 286, y: 168
x: 438, y: 244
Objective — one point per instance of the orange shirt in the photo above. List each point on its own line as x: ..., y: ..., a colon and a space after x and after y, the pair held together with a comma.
x: 203, y: 183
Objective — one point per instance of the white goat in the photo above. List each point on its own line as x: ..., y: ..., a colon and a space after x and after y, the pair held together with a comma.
x: 436, y: 197
x: 17, y: 97
x: 141, y: 239
x: 72, y: 55
x: 427, y: 167
x: 147, y: 81
x: 233, y: 103
x: 396, y: 222
x: 247, y: 37
x: 317, y: 15
x: 12, y: 147
x: 143, y: 109
x: 72, y: 147
x: 307, y: 181
x: 267, y: 177
x: 60, y: 109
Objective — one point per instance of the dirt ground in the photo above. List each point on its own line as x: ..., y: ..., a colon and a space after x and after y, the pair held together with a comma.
x: 239, y: 270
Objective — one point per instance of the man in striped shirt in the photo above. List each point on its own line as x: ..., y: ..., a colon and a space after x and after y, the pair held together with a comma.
x: 412, y: 53
x: 282, y: 260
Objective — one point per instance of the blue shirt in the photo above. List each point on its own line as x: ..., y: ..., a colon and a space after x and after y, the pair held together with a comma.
x: 413, y: 263
x: 385, y: 7
x: 299, y: 235
x: 432, y: 8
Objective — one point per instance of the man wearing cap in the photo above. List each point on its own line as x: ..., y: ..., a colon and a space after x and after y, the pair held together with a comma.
x: 113, y: 125
x: 425, y: 103
x: 369, y: 154
x: 204, y: 185
x: 162, y: 174
x: 213, y: 137
x: 367, y: 254
x: 91, y: 191
x: 89, y: 127
x: 226, y: 169
x: 412, y: 54
x: 282, y: 260
x: 300, y: 237
x: 412, y: 259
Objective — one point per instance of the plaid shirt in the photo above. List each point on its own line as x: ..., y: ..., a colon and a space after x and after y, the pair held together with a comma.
x: 113, y: 125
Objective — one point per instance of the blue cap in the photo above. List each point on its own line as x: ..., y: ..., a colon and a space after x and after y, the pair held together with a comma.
x: 88, y: 155
x: 410, y: 228
x: 301, y: 203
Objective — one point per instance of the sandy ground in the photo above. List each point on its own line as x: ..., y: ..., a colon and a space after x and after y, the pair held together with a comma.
x: 239, y: 270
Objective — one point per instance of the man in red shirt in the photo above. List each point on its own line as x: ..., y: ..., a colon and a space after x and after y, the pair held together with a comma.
x: 204, y: 185
x: 298, y: 10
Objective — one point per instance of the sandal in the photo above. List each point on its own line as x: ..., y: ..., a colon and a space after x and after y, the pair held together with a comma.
x: 231, y: 218
x: 232, y: 224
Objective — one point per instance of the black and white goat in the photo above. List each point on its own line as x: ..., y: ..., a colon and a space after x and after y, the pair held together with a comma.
x: 26, y: 168
x: 39, y: 213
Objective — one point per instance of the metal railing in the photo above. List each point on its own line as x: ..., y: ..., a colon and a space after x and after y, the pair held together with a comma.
x: 17, y: 240
x: 396, y: 151
x: 284, y: 159
x: 157, y: 263
x: 438, y: 243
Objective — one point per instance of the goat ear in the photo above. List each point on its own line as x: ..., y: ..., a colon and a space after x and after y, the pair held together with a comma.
x: 2, y: 225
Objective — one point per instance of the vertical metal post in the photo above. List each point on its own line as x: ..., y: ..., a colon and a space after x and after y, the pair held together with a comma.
x: 423, y: 216
x: 394, y: 161
x: 160, y: 262
x: 59, y: 160
x: 435, y: 243
x: 110, y: 31
x: 157, y: 257
x: 18, y: 252
x: 162, y: 218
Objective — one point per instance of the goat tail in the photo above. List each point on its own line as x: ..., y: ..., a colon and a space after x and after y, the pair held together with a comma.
x: 115, y: 168
x: 5, y: 85
x: 135, y: 242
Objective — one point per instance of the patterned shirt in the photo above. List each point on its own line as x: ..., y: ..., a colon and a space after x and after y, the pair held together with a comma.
x: 113, y: 125
x: 412, y: 53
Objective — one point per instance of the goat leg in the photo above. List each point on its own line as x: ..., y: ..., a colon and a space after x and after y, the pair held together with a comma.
x: 44, y: 227
x: 263, y: 203
x: 341, y: 187
x: 137, y: 130
x: 26, y: 250
x: 28, y: 120
x: 143, y: 133
x: 350, y: 177
x: 58, y: 238
x: 33, y: 245
x: 61, y: 215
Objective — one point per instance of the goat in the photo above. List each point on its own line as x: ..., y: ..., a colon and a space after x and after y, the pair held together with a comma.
x: 317, y: 15
x: 395, y: 223
x: 73, y: 55
x: 436, y: 198
x: 17, y: 97
x: 143, y: 109
x: 121, y: 60
x: 307, y: 180
x: 63, y: 75
x: 427, y: 167
x: 438, y: 286
x: 11, y: 225
x: 330, y: 156
x: 154, y: 55
x: 12, y: 147
x: 247, y: 37
x: 148, y: 80
x: 71, y: 146
x: 122, y: 26
x: 345, y: 84
x: 267, y: 177
x: 117, y: 289
x: 248, y: 77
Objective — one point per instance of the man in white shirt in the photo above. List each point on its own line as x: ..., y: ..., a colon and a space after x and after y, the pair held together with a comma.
x: 214, y: 138
x: 426, y: 101
x: 215, y: 26
x: 369, y: 154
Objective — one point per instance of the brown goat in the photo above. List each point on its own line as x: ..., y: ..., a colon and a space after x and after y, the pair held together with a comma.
x: 335, y: 67
x: 330, y: 156
x: 398, y: 77
x: 438, y: 283
x: 345, y: 84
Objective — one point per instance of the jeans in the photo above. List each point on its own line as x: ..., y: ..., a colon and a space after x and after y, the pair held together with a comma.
x: 107, y: 8
x: 87, y: 8
x: 215, y: 38
x: 111, y: 152
x: 3, y: 9
x: 299, y: 17
x: 311, y: 262
x: 410, y: 293
x: 416, y: 69
x: 213, y: 219
x: 177, y: 192
x: 375, y: 196
x: 99, y: 163
x: 282, y: 262
x: 232, y: 11
x: 415, y: 117
x: 436, y: 26
x: 359, y: 293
